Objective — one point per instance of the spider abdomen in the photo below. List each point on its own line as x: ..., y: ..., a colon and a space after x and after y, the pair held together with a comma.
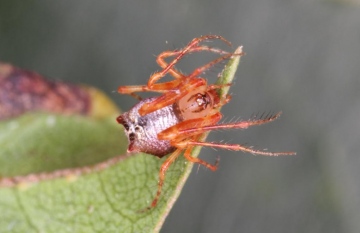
x: 142, y: 131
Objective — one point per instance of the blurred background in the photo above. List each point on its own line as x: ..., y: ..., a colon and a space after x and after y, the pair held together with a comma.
x: 303, y: 58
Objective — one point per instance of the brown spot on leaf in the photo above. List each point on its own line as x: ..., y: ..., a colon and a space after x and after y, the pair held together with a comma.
x: 22, y: 91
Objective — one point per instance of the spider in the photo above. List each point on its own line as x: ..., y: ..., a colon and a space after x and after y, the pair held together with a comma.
x: 188, y: 107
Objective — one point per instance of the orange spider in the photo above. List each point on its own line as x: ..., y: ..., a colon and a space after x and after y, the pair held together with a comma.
x: 187, y: 108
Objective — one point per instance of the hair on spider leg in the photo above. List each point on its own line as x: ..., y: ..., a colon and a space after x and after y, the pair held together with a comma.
x: 198, y: 168
x: 266, y: 116
x: 224, y: 120
x: 254, y: 115
x: 233, y: 119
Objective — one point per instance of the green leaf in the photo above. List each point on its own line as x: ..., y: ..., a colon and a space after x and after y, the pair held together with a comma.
x: 39, y: 142
x: 69, y: 189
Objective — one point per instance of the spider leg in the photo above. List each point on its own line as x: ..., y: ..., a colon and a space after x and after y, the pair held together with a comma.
x: 158, y: 87
x: 188, y: 156
x: 205, y: 67
x: 191, y: 128
x: 136, y: 96
x: 188, y: 128
x: 236, y: 147
x: 171, y: 96
x: 162, y: 173
x: 160, y: 102
x: 197, y: 126
x: 192, y: 46
x: 223, y: 101
x: 166, y: 86
x: 155, y: 77
x: 169, y: 68
x: 235, y: 125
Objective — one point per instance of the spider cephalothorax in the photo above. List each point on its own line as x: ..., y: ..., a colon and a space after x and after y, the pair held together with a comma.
x: 187, y: 108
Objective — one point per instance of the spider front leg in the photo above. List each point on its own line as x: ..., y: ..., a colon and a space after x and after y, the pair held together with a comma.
x: 193, y: 46
x: 164, y: 167
x: 166, y: 86
x: 169, y: 68
x: 158, y: 87
x: 178, y: 75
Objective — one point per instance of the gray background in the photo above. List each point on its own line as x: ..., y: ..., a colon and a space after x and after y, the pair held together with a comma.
x: 303, y: 57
